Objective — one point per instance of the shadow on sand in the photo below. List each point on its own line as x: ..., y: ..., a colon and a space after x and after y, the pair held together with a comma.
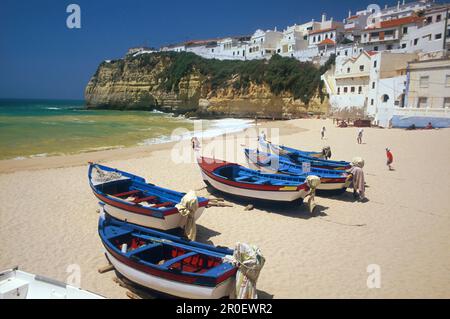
x: 296, y: 209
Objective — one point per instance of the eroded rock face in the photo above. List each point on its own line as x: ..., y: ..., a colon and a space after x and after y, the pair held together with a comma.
x: 139, y: 84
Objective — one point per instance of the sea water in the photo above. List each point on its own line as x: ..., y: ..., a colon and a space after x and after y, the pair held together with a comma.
x: 37, y: 128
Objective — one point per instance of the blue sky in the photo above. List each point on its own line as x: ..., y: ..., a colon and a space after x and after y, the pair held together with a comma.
x: 41, y: 58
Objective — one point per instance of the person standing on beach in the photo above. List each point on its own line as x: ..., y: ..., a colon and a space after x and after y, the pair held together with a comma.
x: 322, y: 132
x: 358, y: 183
x: 390, y: 159
x: 360, y: 135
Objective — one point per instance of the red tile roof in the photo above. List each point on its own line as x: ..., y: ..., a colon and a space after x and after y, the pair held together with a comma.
x: 371, y: 53
x: 327, y: 42
x: 396, y: 22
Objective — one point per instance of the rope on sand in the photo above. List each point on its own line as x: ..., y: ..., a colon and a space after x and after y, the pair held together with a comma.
x: 343, y: 224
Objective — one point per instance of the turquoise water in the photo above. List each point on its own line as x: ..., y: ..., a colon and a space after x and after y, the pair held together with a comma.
x: 48, y: 127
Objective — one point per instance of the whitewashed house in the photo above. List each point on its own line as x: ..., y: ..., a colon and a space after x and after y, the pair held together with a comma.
x: 387, y: 86
x: 347, y: 85
x: 428, y: 95
x: 263, y: 44
x: 326, y: 37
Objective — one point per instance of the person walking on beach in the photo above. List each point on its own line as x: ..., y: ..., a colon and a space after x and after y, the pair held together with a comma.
x: 322, y: 132
x: 360, y: 135
x: 390, y: 159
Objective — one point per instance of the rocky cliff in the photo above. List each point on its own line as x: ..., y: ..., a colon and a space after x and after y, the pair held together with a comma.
x: 185, y: 83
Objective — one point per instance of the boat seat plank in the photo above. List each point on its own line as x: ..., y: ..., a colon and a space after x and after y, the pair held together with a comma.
x: 165, y: 204
x: 172, y: 261
x: 145, y: 199
x: 143, y: 248
x: 241, y: 178
x: 133, y: 192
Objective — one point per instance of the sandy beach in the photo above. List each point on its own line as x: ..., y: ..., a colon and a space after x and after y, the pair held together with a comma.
x: 48, y: 220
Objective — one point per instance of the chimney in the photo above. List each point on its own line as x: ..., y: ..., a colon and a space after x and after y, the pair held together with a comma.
x: 349, y: 13
x: 324, y: 17
x: 385, y: 6
x: 398, y: 5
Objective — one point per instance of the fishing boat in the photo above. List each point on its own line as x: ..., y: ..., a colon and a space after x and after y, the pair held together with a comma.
x: 165, y: 263
x: 129, y: 197
x: 18, y: 284
x: 298, y: 156
x: 238, y: 180
x: 334, y: 180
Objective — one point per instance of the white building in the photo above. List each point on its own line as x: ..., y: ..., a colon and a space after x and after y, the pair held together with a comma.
x: 428, y: 95
x: 326, y: 37
x: 371, y: 85
x: 295, y: 38
x: 348, y: 84
x: 388, y: 85
x: 263, y: 44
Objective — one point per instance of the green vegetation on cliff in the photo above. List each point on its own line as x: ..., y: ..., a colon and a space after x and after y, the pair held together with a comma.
x: 281, y: 74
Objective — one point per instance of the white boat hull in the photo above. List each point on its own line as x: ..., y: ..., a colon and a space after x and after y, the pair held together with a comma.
x: 168, y: 222
x: 284, y: 196
x: 170, y: 287
x: 17, y: 284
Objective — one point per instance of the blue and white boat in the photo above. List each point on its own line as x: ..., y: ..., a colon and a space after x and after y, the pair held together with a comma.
x: 297, y: 156
x: 129, y: 197
x: 234, y: 179
x: 266, y: 162
x: 166, y: 263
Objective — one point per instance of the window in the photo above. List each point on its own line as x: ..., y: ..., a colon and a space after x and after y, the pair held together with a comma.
x: 346, y: 53
x: 314, y: 39
x: 331, y: 35
x: 375, y: 63
x: 361, y: 68
x: 348, y: 70
x: 385, y: 98
x: 374, y: 34
x: 389, y: 47
x: 405, y: 30
x: 438, y: 36
x: 373, y: 85
x: 339, y: 91
x: 423, y: 82
x: 305, y: 37
x: 389, y: 32
x: 345, y: 89
x: 371, y: 101
x: 403, y: 45
x: 212, y: 50
x: 416, y: 41
x: 438, y: 18
x: 447, y: 80
x: 427, y: 36
x: 375, y: 48
x: 429, y: 20
x: 352, y: 89
x: 360, y: 90
x: 422, y: 102
x: 446, y: 102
